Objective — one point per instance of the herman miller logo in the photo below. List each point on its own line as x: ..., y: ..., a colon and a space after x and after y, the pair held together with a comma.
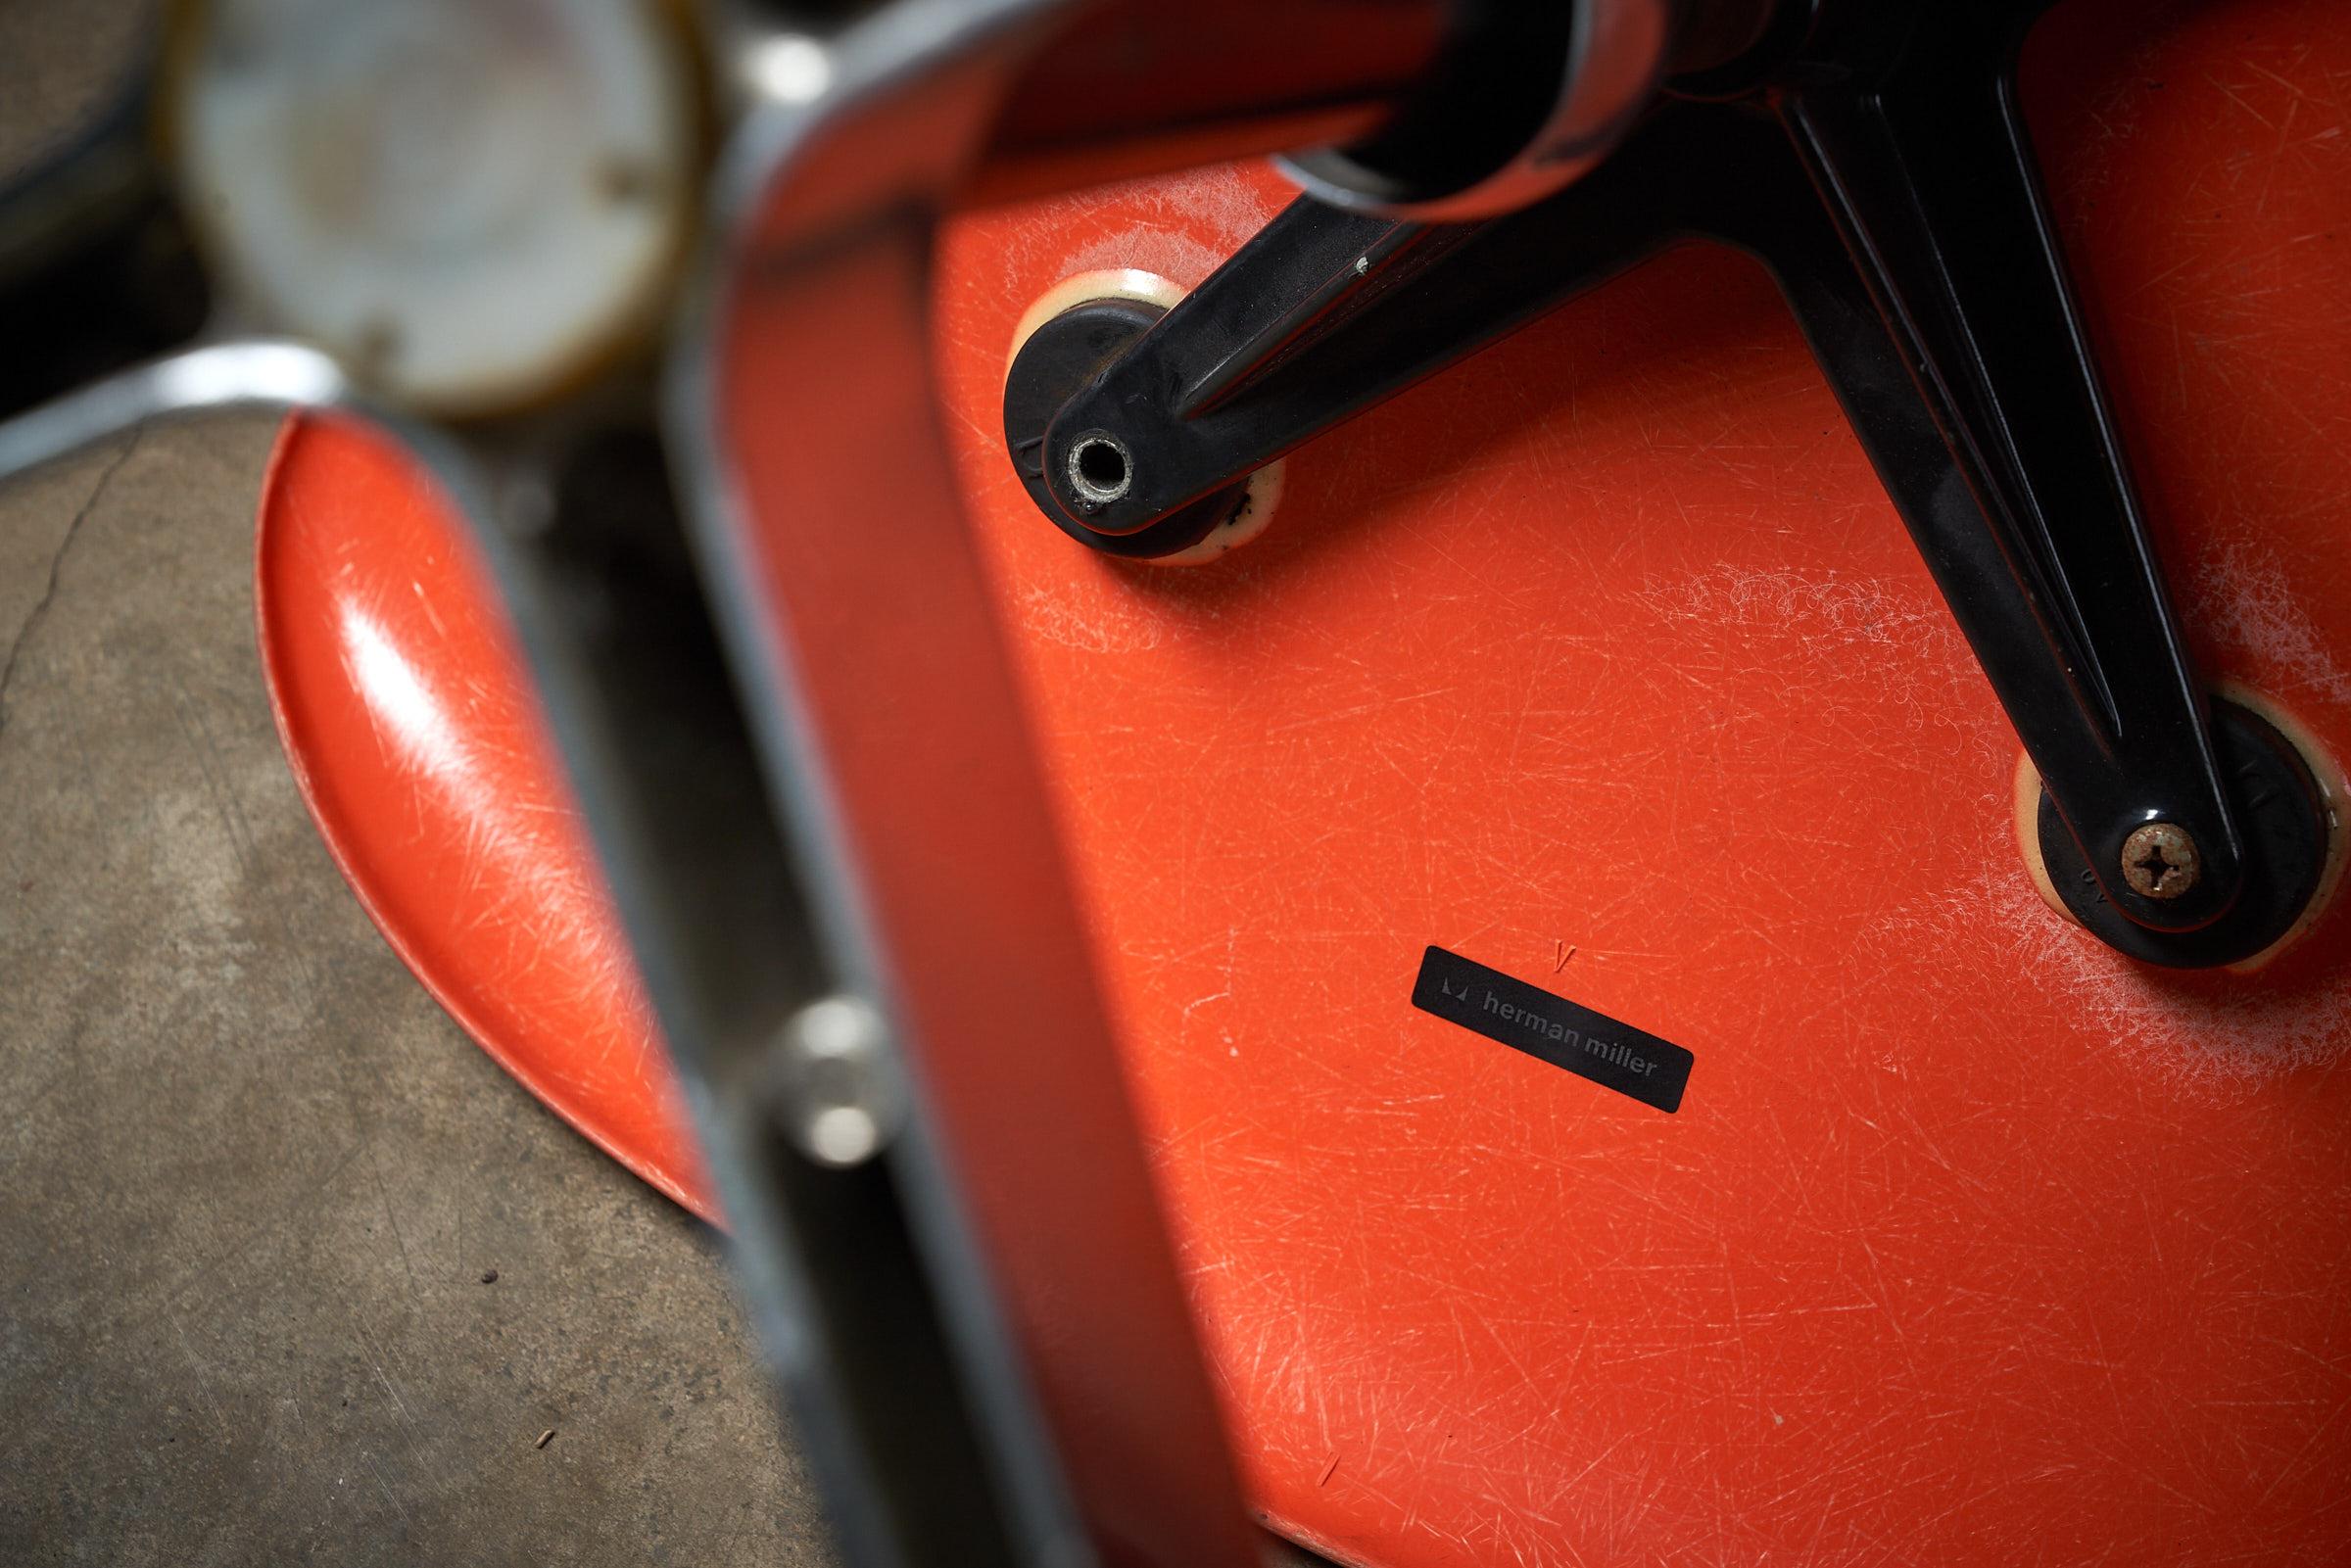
x: 1591, y: 1044
x: 1551, y: 1028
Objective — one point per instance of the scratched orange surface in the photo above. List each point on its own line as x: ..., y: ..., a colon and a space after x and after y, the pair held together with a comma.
x: 1603, y: 661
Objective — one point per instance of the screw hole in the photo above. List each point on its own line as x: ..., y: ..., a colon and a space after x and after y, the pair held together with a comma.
x: 1098, y: 469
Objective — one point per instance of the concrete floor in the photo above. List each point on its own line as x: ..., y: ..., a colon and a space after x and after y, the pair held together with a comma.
x: 253, y: 1176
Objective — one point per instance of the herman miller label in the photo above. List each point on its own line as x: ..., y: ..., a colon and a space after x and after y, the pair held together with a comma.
x: 1589, y: 1044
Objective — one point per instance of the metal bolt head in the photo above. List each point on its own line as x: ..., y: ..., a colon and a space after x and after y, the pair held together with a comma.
x: 2160, y: 861
x: 835, y: 1086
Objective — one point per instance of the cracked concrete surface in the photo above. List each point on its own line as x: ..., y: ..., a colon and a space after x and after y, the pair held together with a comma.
x: 254, y: 1178
x: 31, y: 621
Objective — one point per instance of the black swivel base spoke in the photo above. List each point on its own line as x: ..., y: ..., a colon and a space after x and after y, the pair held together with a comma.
x: 1880, y: 170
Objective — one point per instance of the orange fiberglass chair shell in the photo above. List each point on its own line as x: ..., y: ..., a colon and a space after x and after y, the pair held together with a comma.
x: 1603, y: 661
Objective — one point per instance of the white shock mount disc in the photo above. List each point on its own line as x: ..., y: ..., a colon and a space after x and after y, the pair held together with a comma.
x: 1262, y: 490
x: 471, y: 203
